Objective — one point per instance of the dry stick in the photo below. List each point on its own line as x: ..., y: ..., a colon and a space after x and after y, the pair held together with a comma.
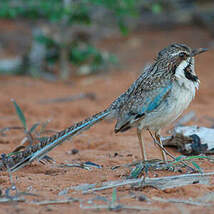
x: 189, y: 202
x: 161, y: 146
x: 169, y: 153
x: 161, y: 182
x: 119, y: 208
x: 66, y: 201
x: 7, y: 200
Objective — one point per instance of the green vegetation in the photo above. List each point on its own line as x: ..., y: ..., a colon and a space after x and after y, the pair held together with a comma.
x: 60, y: 48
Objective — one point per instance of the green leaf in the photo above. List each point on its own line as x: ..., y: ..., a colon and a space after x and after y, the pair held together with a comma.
x: 34, y: 127
x: 157, y: 8
x: 196, y: 166
x: 20, y: 114
x: 179, y: 158
x: 123, y: 28
x: 12, y: 153
x: 114, y: 196
x: 113, y: 59
x: 196, y: 157
x: 136, y: 171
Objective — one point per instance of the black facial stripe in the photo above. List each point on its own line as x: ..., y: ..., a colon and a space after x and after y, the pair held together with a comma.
x: 188, y: 74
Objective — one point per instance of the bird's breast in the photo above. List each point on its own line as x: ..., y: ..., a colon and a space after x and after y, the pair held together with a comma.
x: 180, y: 97
x: 170, y: 108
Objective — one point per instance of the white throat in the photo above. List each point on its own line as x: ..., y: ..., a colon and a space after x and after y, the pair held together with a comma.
x: 181, y: 78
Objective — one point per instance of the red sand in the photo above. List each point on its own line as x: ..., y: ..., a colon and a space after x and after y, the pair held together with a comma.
x: 100, y: 143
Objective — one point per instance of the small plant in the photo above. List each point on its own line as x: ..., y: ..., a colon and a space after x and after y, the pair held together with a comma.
x: 29, y: 138
x: 62, y: 15
x: 28, y: 132
x: 189, y: 159
x: 84, y: 57
x: 178, y: 162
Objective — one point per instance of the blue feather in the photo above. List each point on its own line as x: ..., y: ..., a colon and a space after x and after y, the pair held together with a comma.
x: 156, y: 101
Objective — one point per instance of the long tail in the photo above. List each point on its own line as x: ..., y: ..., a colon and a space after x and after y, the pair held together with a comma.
x: 20, y: 159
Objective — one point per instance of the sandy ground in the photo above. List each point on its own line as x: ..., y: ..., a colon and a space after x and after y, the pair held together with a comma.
x: 99, y: 144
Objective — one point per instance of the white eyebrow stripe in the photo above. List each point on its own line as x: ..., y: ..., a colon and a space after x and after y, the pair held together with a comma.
x: 175, y: 54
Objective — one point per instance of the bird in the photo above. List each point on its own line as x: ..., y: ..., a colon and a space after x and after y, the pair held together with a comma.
x: 158, y: 97
x: 160, y: 94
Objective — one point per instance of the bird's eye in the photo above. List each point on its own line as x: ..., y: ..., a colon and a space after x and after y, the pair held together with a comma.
x: 182, y: 54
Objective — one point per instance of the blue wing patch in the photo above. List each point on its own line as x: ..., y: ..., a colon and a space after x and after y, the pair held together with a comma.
x: 150, y: 104
x: 153, y: 104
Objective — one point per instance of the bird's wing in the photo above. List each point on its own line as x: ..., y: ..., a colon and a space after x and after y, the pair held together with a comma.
x: 146, y: 95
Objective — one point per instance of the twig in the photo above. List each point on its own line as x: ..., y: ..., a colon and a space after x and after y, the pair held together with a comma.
x: 118, y: 208
x: 66, y: 201
x: 172, y: 200
x: 161, y: 182
x: 161, y: 146
x: 87, y: 165
x: 7, y: 200
x: 112, y: 204
x: 138, y: 208
x: 79, y: 165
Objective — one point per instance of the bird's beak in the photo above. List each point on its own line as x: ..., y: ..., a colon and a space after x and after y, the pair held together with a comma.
x: 198, y: 51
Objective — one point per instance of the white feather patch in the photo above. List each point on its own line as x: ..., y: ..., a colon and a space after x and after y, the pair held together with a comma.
x: 180, y: 75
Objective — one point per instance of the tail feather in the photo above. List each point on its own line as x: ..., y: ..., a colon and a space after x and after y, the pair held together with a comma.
x: 39, y: 150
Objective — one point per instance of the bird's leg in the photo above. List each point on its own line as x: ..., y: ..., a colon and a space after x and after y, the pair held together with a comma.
x: 158, y: 138
x: 141, y: 143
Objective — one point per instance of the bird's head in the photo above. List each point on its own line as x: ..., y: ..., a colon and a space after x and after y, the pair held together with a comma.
x: 180, y: 58
x: 179, y: 52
